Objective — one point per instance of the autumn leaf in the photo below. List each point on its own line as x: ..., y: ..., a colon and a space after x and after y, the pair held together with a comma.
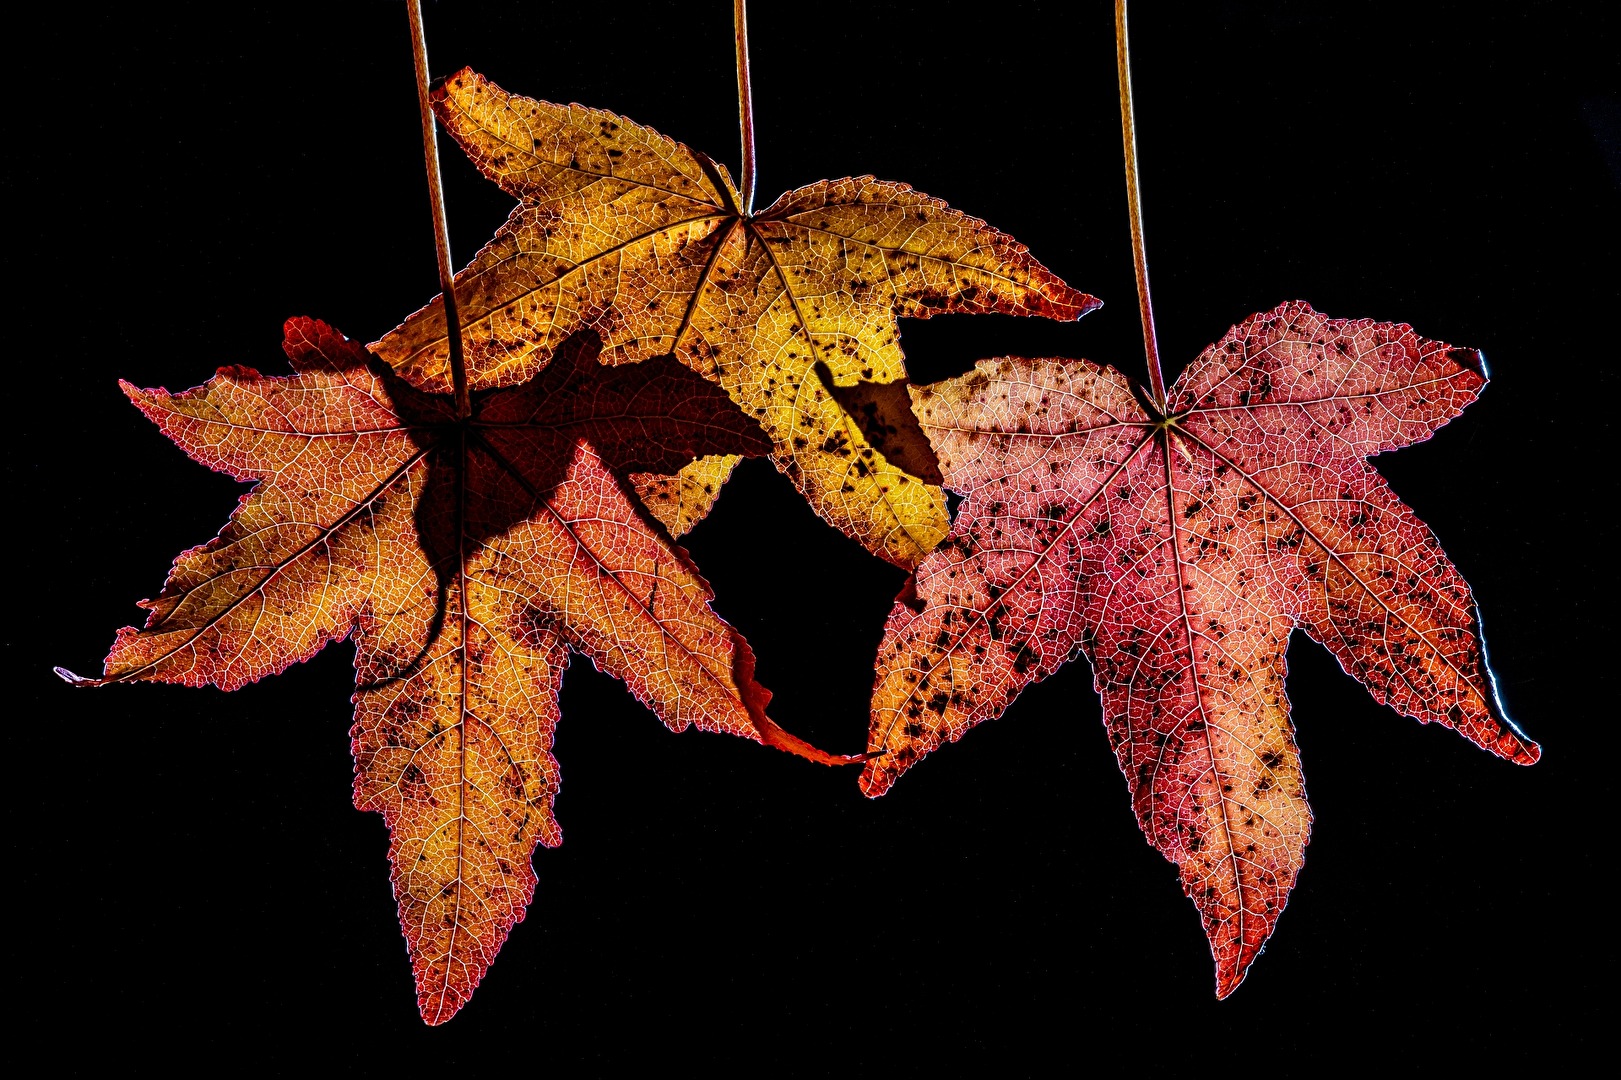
x: 1179, y: 549
x: 682, y: 500
x: 643, y: 240
x: 466, y: 560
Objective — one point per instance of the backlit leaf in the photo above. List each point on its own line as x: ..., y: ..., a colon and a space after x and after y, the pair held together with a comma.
x: 1179, y: 551
x: 466, y: 560
x: 640, y: 238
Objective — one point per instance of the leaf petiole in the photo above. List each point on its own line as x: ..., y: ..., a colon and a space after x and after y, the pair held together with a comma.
x: 1145, y: 303
x: 745, y: 102
x: 436, y: 197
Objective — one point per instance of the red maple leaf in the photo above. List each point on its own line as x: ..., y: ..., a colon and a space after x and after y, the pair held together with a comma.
x: 1178, y: 548
x: 466, y: 558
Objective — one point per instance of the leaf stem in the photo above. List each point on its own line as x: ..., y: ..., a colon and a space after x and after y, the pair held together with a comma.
x: 1145, y: 302
x: 745, y: 102
x: 436, y: 197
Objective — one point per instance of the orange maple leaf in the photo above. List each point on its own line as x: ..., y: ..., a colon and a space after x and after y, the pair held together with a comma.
x: 466, y: 559
x: 1179, y: 547
x: 792, y: 309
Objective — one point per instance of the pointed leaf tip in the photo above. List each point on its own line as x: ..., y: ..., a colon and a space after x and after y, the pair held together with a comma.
x: 1230, y: 977
x: 1473, y: 359
x: 1526, y: 752
x: 436, y: 88
x: 772, y: 735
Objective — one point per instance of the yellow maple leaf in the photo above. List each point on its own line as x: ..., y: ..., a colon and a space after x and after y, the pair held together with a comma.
x: 642, y: 239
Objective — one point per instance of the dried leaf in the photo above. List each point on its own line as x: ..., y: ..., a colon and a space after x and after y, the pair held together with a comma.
x: 636, y: 236
x: 465, y: 560
x: 1179, y: 552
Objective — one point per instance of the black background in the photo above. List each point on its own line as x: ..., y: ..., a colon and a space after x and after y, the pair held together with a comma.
x: 187, y: 876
